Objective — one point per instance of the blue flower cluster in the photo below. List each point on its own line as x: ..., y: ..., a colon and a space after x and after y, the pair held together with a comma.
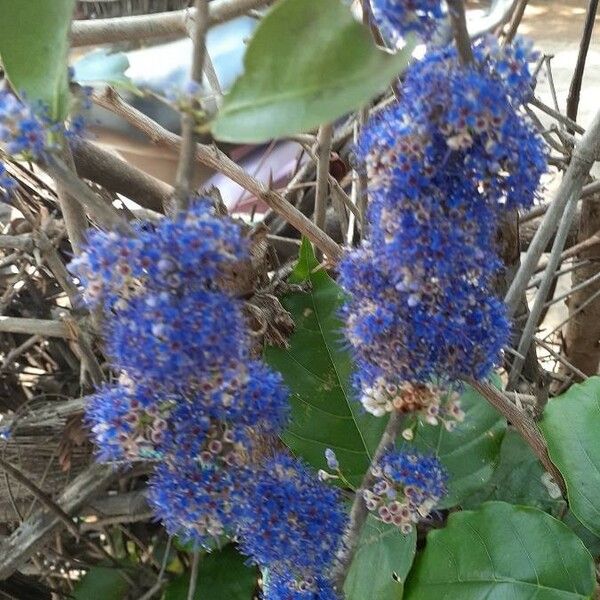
x: 293, y: 522
x: 396, y: 17
x: 191, y: 397
x: 441, y: 173
x: 407, y: 486
x: 25, y: 133
x: 22, y: 132
x: 189, y: 388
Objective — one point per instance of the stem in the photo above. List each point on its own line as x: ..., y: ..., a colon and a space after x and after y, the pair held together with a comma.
x: 144, y: 27
x: 542, y: 293
x: 216, y: 159
x: 458, y: 18
x: 526, y: 428
x: 189, y: 138
x: 194, y: 576
x: 584, y: 156
x: 323, y: 152
x: 107, y: 169
x: 26, y: 539
x: 515, y: 22
x: 73, y: 212
x: 576, y: 81
x: 359, y: 512
x: 106, y: 215
x: 41, y: 496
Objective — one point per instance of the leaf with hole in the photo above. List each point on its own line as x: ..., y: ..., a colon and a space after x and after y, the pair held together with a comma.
x: 317, y: 368
x: 34, y: 43
x: 570, y: 425
x: 309, y: 62
x: 381, y: 563
x: 470, y: 453
x: 502, y: 552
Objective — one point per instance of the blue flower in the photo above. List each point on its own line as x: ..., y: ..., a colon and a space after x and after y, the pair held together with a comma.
x: 171, y: 337
x: 407, y: 486
x: 198, y: 503
x: 192, y: 251
x: 292, y: 521
x: 128, y: 421
x: 22, y: 132
x: 396, y: 18
x: 441, y: 175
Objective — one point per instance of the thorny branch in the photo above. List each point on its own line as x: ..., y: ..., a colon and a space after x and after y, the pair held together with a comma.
x: 218, y: 160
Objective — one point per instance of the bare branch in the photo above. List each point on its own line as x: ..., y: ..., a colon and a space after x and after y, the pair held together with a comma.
x: 72, y: 211
x: 189, y: 139
x: 584, y: 46
x: 144, y: 27
x: 456, y: 10
x: 214, y: 158
x: 323, y: 153
x: 106, y: 215
x: 108, y: 170
x: 41, y: 496
x: 24, y: 242
x: 585, y: 154
x: 515, y: 21
x: 25, y: 540
x: 43, y: 327
x: 557, y: 115
x: 542, y: 293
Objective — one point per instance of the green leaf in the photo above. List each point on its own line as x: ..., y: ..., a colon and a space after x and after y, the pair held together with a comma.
x: 591, y: 541
x: 502, y: 552
x: 101, y: 582
x: 221, y: 575
x: 308, y: 63
x: 470, y: 453
x: 517, y: 479
x: 34, y: 44
x: 102, y: 66
x: 570, y: 424
x: 317, y: 369
x: 381, y: 564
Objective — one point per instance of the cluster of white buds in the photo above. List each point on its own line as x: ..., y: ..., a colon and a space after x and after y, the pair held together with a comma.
x: 431, y: 403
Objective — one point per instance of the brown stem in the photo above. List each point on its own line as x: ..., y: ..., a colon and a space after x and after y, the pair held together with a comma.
x: 189, y: 138
x: 515, y: 22
x: 576, y: 81
x: 359, y: 512
x: 108, y: 170
x: 216, y: 159
x: 72, y: 211
x: 41, y: 496
x: 323, y: 153
x: 526, y: 428
x: 145, y: 27
x: 458, y: 19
